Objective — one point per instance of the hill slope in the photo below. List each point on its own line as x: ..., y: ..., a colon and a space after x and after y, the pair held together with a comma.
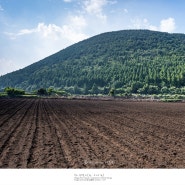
x: 136, y: 60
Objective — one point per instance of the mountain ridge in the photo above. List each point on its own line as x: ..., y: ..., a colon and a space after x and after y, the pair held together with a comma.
x: 122, y: 59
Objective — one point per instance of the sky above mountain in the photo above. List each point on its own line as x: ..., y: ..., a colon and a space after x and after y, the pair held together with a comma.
x: 33, y: 29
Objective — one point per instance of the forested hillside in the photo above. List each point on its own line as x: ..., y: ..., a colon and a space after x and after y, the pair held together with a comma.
x: 133, y: 61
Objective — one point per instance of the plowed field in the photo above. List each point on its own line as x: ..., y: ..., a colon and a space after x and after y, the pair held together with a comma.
x: 57, y: 133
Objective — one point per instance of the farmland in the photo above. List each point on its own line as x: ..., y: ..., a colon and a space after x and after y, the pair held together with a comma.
x: 59, y: 133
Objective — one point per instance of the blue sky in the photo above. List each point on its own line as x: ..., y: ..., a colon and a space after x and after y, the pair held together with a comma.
x: 34, y: 29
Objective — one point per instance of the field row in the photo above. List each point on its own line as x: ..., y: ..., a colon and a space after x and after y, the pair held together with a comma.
x: 56, y: 133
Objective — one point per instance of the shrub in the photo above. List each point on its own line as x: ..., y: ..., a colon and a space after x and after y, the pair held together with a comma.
x: 14, y: 92
x: 42, y: 92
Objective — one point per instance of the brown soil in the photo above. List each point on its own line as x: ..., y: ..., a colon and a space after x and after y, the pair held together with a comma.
x: 57, y: 133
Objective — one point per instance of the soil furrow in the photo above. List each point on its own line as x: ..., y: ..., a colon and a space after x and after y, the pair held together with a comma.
x: 19, y: 107
x: 33, y: 158
x: 56, y: 158
x: 106, y: 142
x: 73, y: 150
x: 61, y: 133
x: 9, y: 146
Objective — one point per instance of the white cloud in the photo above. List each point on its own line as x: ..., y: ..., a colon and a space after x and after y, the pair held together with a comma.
x: 125, y: 10
x: 167, y: 25
x: 6, y: 66
x: 26, y: 31
x: 67, y: 1
x: 71, y: 35
x: 138, y: 23
x: 112, y: 2
x: 95, y: 7
x: 44, y: 40
x: 78, y: 22
x: 48, y: 31
x: 152, y: 27
x: 73, y: 31
x: 45, y: 31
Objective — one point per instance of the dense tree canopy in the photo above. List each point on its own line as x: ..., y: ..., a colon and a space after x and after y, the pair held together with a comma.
x: 14, y: 92
x: 136, y: 61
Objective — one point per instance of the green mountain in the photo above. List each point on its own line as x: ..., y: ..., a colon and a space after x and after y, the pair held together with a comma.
x: 138, y: 61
